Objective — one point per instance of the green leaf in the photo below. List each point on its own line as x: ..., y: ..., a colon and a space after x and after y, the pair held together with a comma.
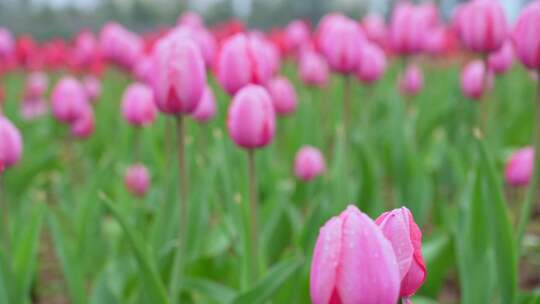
x: 267, y: 286
x: 212, y: 290
x: 149, y: 275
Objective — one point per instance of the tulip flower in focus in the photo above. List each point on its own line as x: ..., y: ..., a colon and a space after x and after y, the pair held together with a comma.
x: 283, y: 95
x: 11, y: 144
x: 474, y: 81
x: 137, y: 180
x: 412, y: 81
x: 353, y: 263
x: 206, y: 110
x: 520, y: 167
x: 309, y: 163
x: 399, y: 228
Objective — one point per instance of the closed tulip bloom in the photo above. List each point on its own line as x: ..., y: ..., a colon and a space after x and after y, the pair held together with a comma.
x: 191, y: 19
x: 137, y: 180
x: 36, y: 85
x: 283, y: 95
x: 399, y: 228
x: 203, y: 39
x: 408, y: 26
x: 309, y: 163
x: 526, y: 38
x: 501, y: 61
x: 297, y: 34
x: 412, y: 81
x: 92, y: 87
x: 483, y: 26
x: 180, y: 75
x: 373, y: 64
x: 474, y: 81
x: 375, y: 29
x: 313, y: 69
x: 243, y: 60
x: 83, y: 126
x: 11, y: 144
x: 520, y: 167
x: 138, y: 106
x: 206, y: 110
x: 353, y: 263
x: 341, y: 43
x: 7, y: 43
x: 68, y: 100
x: 143, y: 69
x: 251, y: 120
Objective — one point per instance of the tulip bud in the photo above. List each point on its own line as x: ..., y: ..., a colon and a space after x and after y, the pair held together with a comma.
x: 313, y: 69
x: 353, y: 263
x: 283, y: 95
x: 373, y: 64
x: 520, y: 167
x: 83, y: 126
x: 11, y: 144
x: 412, y: 81
x: 180, y: 75
x: 137, y: 180
x: 474, y: 80
x: 251, y: 120
x: 501, y: 61
x: 526, y: 38
x: 309, y: 163
x: 206, y: 110
x: 138, y: 107
x: 68, y: 100
x: 399, y: 228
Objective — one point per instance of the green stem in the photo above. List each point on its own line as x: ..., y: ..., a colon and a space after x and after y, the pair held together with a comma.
x: 534, y: 188
x: 253, y: 206
x: 346, y: 107
x: 484, y: 103
x: 5, y: 217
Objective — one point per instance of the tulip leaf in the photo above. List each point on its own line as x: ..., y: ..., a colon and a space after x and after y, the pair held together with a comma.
x: 212, y: 290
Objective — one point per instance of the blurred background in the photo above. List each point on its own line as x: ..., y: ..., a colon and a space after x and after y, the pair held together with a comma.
x: 45, y: 19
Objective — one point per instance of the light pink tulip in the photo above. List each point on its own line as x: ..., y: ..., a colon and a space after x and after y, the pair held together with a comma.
x: 353, y: 263
x: 85, y: 48
x: 412, y: 81
x: 138, y: 106
x: 92, y: 87
x: 313, y: 69
x: 373, y: 64
x: 283, y: 95
x: 399, y: 228
x: 11, y: 144
x: 474, y: 80
x: 143, y: 70
x: 83, y: 126
x: 203, y: 39
x: 179, y: 75
x: 206, y: 110
x: 408, y: 27
x: 375, y: 29
x: 520, y: 167
x: 243, y: 60
x: 120, y: 45
x: 297, y: 34
x: 526, y: 38
x: 501, y: 61
x: 309, y: 163
x: 482, y: 26
x: 251, y: 120
x: 69, y: 100
x: 7, y: 43
x: 33, y: 108
x: 137, y: 180
x: 36, y: 85
x: 191, y: 19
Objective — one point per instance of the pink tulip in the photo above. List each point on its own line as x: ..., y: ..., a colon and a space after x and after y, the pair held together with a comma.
x: 180, y: 77
x: 412, y: 81
x: 33, y: 108
x: 474, y: 81
x: 138, y: 106
x: 143, y: 70
x: 191, y: 19
x: 373, y: 64
x: 297, y: 34
x: 251, y: 120
x: 206, y: 110
x: 7, y: 43
x: 375, y: 29
x: 341, y: 41
x: 408, y: 26
x: 11, y: 144
x: 85, y: 48
x: 309, y: 163
x: 137, y: 180
x: 526, y: 38
x: 313, y: 69
x: 92, y: 87
x: 203, y: 39
x: 501, y: 61
x: 399, y: 228
x: 483, y: 26
x: 83, y: 126
x: 283, y: 95
x: 243, y: 60
x: 520, y: 167
x: 68, y: 100
x: 353, y: 263
x: 120, y: 45
x: 36, y: 85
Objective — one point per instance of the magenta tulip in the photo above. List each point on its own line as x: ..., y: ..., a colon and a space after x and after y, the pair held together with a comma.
x: 526, y: 38
x: 375, y: 29
x: 243, y: 60
x: 373, y: 64
x: 137, y: 180
x: 138, y: 106
x: 313, y: 69
x: 251, y: 118
x: 501, y: 61
x: 296, y: 36
x: 399, y: 228
x: 283, y: 95
x: 353, y: 263
x: 412, y: 81
x: 309, y: 163
x: 143, y: 69
x: 203, y: 39
x: 83, y: 126
x: 474, y: 81
x: 69, y: 100
x: 7, y: 43
x: 519, y: 168
x: 206, y: 110
x: 92, y: 87
x: 179, y: 75
x: 11, y: 144
x: 408, y: 26
x: 482, y: 26
x: 120, y: 45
